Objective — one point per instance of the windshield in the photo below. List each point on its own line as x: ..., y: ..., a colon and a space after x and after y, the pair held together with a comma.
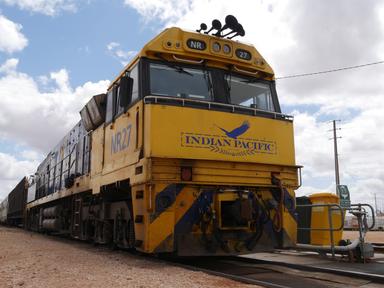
x: 185, y: 83
x: 209, y: 85
x: 244, y: 92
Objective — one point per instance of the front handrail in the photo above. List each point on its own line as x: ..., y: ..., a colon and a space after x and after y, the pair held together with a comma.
x: 330, y: 222
x: 300, y: 177
x: 360, y: 208
x: 210, y: 104
x: 338, y: 207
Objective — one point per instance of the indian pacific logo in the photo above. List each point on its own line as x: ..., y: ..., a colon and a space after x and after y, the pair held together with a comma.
x: 230, y: 141
x: 237, y: 131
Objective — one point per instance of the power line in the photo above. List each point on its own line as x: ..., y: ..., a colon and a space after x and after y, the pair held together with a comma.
x: 330, y: 71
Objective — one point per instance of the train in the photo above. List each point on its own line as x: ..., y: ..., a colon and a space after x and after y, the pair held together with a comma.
x: 187, y: 153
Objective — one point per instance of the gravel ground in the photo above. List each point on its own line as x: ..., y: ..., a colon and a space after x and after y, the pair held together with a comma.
x: 32, y: 260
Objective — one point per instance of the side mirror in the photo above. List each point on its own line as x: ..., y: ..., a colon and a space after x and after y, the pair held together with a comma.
x: 125, y: 93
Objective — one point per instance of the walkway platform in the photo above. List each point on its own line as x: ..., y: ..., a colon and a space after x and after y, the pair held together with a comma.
x: 374, y: 268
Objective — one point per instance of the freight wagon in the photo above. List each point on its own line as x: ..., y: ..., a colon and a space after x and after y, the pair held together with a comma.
x: 16, y: 203
x: 4, y: 211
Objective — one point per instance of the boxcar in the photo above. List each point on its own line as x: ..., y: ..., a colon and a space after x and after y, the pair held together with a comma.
x: 17, y: 200
x: 3, y: 211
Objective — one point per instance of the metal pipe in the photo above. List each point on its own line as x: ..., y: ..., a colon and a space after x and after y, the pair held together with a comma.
x: 346, y: 248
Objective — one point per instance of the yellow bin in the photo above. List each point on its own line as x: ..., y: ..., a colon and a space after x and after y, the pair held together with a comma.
x: 319, y: 219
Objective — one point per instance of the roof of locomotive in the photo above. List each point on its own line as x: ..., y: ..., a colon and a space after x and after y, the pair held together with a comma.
x: 174, y: 44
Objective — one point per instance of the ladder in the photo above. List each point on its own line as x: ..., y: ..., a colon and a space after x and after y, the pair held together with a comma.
x: 76, y: 217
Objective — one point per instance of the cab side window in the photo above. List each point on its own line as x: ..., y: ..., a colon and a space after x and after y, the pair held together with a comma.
x: 134, y: 74
x: 113, y: 100
x: 118, y: 108
x: 110, y: 100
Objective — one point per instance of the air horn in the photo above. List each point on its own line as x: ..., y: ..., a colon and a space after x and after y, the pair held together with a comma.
x: 239, y: 31
x: 230, y: 22
x: 216, y: 24
x: 203, y: 27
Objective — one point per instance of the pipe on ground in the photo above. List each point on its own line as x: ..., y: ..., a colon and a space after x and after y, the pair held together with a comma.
x: 310, y: 247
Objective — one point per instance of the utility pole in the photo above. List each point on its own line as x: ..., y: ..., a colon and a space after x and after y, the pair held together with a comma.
x: 337, y: 175
x: 377, y: 213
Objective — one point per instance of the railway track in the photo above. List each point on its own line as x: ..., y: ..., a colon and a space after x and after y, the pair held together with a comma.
x: 267, y: 273
x: 277, y: 275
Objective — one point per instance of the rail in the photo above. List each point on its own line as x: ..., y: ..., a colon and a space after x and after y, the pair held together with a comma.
x: 208, y: 104
x: 330, y: 208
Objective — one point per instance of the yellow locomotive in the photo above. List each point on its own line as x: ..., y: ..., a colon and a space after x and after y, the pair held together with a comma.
x: 187, y: 153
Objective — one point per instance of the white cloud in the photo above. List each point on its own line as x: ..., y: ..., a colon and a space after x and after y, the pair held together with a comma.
x: 12, y: 170
x: 9, y: 66
x: 111, y: 46
x: 61, y: 78
x: 34, y: 119
x: 11, y: 40
x: 28, y: 115
x: 10, y: 166
x: 46, y: 7
x: 314, y: 150
x: 123, y: 56
x: 167, y: 10
x: 302, y: 36
x: 360, y: 154
x: 264, y: 21
x: 30, y: 155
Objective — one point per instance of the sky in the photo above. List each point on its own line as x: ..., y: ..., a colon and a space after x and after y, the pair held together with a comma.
x: 56, y: 54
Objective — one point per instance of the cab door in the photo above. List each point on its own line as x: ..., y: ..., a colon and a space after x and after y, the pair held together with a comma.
x: 123, y: 128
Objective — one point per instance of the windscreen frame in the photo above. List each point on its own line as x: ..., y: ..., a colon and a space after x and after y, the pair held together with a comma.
x: 218, y: 81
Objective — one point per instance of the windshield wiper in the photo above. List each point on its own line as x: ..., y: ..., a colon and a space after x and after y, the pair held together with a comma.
x: 209, y: 83
x: 252, y: 80
x: 172, y: 65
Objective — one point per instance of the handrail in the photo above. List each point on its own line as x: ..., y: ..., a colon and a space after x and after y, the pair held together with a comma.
x: 300, y: 178
x: 357, y: 210
x: 338, y: 207
x: 360, y: 206
x: 209, y: 104
x: 330, y: 222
